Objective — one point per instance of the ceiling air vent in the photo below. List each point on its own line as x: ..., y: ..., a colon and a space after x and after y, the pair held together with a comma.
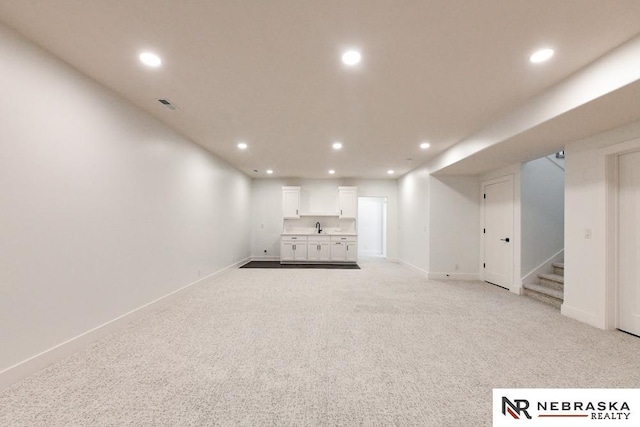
x: 168, y: 104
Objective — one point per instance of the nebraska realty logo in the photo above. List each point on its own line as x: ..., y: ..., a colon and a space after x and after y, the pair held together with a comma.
x: 566, y: 407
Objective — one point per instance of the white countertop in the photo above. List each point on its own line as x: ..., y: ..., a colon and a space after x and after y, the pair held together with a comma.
x: 333, y: 233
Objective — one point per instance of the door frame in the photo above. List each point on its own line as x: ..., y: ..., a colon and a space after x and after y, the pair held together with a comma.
x: 610, y: 156
x: 514, y: 285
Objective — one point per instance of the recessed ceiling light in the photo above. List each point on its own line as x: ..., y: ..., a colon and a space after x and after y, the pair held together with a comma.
x: 150, y: 59
x: 337, y: 145
x: 351, y: 57
x: 269, y: 171
x: 390, y: 172
x: 242, y: 146
x: 541, y: 55
x: 331, y: 171
x: 425, y: 145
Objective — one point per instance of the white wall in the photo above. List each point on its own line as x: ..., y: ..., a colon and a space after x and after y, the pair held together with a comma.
x: 413, y: 219
x: 542, y: 191
x: 588, y: 293
x: 454, y: 220
x: 102, y: 208
x: 317, y: 195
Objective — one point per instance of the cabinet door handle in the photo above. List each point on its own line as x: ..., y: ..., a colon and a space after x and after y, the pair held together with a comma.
x: 296, y: 211
x: 340, y: 211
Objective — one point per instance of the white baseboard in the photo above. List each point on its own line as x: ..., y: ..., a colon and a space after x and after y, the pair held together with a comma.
x: 582, y: 316
x: 454, y: 276
x: 40, y: 361
x: 418, y: 269
x: 545, y: 267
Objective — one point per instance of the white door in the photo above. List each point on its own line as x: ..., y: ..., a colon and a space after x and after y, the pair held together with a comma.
x: 348, y: 202
x: 300, y: 251
x: 286, y: 251
x: 498, y: 232
x: 629, y: 242
x: 291, y: 202
x: 352, y: 252
x: 324, y: 251
x: 313, y: 251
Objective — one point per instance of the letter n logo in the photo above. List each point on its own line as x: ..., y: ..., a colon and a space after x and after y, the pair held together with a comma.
x: 515, y: 408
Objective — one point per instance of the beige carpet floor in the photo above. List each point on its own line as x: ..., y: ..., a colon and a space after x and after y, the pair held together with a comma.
x: 381, y: 346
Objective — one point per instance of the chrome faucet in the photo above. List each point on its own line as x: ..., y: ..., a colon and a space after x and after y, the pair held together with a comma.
x: 318, y: 227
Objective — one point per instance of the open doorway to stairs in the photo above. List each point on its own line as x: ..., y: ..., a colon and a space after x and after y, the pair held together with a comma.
x: 372, y: 227
x: 542, y: 228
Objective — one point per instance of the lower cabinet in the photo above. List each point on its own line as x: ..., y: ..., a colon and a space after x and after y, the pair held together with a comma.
x: 313, y: 248
x: 344, y: 249
x: 293, y: 248
x: 319, y: 248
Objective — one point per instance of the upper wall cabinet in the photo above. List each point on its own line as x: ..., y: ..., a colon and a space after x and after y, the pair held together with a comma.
x: 291, y: 202
x: 348, y: 202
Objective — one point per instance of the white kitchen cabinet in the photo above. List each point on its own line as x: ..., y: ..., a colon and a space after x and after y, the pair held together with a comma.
x: 344, y: 249
x: 352, y: 252
x: 291, y: 202
x: 319, y: 248
x: 348, y: 202
x: 338, y: 251
x: 293, y: 248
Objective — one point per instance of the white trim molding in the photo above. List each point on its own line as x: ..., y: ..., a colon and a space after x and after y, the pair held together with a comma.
x: 581, y: 316
x: 418, y: 269
x: 545, y: 267
x: 40, y: 361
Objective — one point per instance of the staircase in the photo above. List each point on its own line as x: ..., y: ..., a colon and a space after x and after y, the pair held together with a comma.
x: 550, y: 290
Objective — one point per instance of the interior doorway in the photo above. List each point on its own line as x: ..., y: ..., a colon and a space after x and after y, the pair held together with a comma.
x: 497, y: 230
x: 372, y: 226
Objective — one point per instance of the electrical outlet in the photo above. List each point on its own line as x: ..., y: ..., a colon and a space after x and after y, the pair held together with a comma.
x: 587, y: 233
x: 457, y: 267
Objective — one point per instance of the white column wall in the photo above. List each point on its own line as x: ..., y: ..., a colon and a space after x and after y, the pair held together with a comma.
x: 102, y: 208
x: 454, y: 218
x: 413, y: 219
x: 588, y: 293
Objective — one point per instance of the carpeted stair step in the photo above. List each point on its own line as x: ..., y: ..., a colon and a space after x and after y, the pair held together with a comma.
x: 554, y: 281
x: 558, y: 268
x: 544, y: 293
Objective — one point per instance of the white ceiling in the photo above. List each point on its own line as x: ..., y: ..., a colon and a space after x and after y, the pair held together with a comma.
x: 269, y: 73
